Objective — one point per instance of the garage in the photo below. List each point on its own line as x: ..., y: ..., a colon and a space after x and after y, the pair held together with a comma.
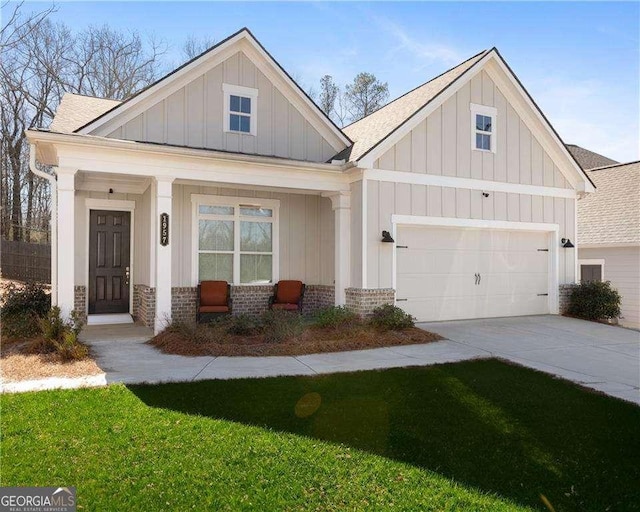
x: 445, y: 273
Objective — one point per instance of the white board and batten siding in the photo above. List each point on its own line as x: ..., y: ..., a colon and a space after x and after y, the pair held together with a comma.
x: 622, y: 268
x: 441, y: 144
x: 193, y: 116
x: 306, y: 249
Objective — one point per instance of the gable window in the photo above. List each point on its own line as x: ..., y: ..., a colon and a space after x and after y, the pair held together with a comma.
x: 240, y: 109
x: 235, y: 239
x: 483, y: 133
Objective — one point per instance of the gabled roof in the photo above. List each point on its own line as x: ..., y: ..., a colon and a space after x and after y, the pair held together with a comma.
x: 371, y: 130
x: 589, y: 159
x: 243, y: 34
x: 612, y: 215
x: 76, y: 110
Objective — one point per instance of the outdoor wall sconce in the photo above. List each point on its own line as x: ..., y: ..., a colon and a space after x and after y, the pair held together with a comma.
x: 566, y: 243
x: 485, y: 194
x: 386, y: 237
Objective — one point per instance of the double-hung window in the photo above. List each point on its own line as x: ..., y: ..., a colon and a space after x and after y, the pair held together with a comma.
x: 235, y: 239
x: 240, y: 109
x: 483, y: 123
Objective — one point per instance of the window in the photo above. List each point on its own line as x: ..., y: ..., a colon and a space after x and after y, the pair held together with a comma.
x: 235, y: 239
x: 240, y: 109
x: 483, y: 134
x: 591, y: 270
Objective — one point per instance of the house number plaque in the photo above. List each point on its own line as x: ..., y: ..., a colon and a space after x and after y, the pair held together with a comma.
x: 164, y: 229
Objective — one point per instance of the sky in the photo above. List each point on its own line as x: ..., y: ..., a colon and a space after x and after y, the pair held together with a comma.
x: 579, y: 60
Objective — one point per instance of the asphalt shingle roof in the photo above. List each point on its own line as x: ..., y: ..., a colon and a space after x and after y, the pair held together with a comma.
x: 369, y: 131
x: 76, y: 110
x: 612, y: 214
x: 588, y: 159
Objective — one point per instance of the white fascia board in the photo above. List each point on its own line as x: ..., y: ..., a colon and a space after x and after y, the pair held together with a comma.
x: 608, y: 245
x: 539, y: 126
x: 408, y: 125
x: 466, y: 183
x: 144, y: 163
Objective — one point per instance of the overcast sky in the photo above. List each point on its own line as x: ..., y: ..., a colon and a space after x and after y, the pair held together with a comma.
x: 580, y: 61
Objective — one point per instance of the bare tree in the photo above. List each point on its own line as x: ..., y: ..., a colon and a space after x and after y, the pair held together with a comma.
x: 328, y: 94
x: 108, y: 63
x: 365, y: 95
x: 195, y: 46
x: 15, y: 27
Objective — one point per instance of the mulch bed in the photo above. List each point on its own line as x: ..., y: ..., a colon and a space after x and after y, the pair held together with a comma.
x: 313, y: 340
x: 18, y: 363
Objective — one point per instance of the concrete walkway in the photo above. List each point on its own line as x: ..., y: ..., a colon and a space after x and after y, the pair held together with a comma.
x: 594, y: 355
x: 598, y: 356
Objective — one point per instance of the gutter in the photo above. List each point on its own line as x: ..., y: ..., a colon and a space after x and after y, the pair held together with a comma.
x: 53, y: 221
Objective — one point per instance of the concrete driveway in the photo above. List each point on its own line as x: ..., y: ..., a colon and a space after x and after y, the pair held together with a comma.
x: 598, y: 356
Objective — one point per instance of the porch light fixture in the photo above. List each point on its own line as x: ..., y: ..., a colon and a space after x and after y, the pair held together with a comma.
x: 386, y: 237
x: 566, y: 243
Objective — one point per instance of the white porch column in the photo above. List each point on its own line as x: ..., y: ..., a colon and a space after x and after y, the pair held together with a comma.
x: 163, y: 189
x: 66, y: 240
x: 341, y: 203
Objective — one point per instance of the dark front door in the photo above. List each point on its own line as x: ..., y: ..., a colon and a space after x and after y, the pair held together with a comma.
x: 109, y: 243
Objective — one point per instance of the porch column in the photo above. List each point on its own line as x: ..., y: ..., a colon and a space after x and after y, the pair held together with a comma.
x: 341, y: 203
x: 163, y: 189
x: 66, y: 246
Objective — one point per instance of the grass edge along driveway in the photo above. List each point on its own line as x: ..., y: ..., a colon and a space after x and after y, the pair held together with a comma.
x: 477, y: 435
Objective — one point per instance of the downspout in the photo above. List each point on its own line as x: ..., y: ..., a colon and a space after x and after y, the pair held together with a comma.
x: 53, y: 221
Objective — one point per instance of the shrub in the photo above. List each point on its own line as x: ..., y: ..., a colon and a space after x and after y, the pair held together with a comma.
x: 594, y: 300
x: 391, y: 317
x: 279, y: 326
x: 22, y: 306
x: 243, y: 325
x: 60, y: 336
x: 335, y: 316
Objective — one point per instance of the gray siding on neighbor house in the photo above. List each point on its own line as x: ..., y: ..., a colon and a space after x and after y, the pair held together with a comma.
x: 622, y: 268
x: 193, y: 116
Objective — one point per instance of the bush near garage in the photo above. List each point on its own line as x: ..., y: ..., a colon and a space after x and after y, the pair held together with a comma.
x: 392, y: 318
x: 595, y: 300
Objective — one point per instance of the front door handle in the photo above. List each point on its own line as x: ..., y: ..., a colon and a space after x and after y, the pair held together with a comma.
x: 126, y: 275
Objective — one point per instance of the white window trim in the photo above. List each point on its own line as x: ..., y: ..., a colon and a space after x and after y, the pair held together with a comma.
x: 247, y: 92
x: 484, y: 110
x: 235, y: 202
x: 591, y: 262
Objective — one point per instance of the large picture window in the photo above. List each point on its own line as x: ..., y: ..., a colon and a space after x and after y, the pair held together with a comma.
x: 235, y: 239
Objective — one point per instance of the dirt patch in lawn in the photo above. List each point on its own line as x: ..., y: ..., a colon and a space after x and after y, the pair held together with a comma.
x: 198, y: 342
x: 18, y: 363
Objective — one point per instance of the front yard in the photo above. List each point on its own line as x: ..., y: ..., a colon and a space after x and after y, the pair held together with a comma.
x: 479, y: 435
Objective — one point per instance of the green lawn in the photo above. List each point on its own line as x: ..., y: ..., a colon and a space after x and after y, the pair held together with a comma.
x: 479, y: 435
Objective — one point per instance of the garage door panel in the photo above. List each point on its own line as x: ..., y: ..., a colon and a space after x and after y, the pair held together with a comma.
x: 435, y: 277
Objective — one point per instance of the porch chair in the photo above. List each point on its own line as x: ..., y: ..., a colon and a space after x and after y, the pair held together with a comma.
x: 214, y: 299
x: 287, y: 296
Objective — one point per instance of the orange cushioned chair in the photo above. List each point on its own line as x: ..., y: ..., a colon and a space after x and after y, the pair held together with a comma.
x: 214, y: 298
x: 287, y: 296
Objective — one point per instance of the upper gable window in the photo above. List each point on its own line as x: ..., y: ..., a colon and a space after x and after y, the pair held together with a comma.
x: 483, y: 133
x: 240, y: 109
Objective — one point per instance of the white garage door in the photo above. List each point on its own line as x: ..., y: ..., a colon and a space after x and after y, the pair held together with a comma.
x: 449, y: 273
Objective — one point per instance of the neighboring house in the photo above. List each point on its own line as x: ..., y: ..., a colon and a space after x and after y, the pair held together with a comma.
x: 609, y: 235
x: 588, y: 159
x: 225, y: 169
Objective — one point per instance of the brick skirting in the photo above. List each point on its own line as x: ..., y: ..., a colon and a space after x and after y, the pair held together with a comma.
x: 248, y: 299
x: 364, y: 300
x: 564, y: 297
x: 80, y: 300
x: 144, y: 304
